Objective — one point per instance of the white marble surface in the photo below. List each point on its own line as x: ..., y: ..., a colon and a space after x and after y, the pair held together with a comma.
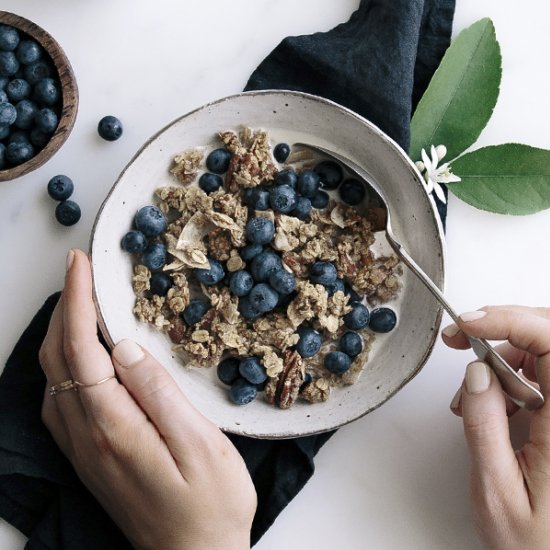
x: 397, y: 478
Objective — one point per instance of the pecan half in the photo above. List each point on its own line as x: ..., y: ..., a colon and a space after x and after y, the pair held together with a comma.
x: 283, y: 390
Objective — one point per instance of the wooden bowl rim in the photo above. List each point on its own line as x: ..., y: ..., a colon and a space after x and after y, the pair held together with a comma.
x: 69, y: 92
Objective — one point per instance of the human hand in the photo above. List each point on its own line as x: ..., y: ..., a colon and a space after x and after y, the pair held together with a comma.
x: 166, y: 475
x: 510, y: 490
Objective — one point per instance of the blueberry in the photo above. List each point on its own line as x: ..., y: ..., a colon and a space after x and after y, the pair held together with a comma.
x: 160, y: 283
x: 110, y: 128
x: 60, y: 187
x: 210, y: 276
x: 39, y: 138
x: 67, y: 212
x: 285, y: 299
x: 4, y: 81
x: 218, y: 161
x: 382, y: 319
x: 308, y: 183
x: 150, y: 221
x: 249, y: 251
x: 351, y: 344
x: 309, y: 343
x: 209, y: 182
x: 337, y: 362
x: 286, y: 177
x: 307, y: 381
x: 352, y: 192
x: 282, y: 281
x: 4, y: 131
x: 336, y: 286
x: 19, y: 152
x: 320, y: 200
x: 282, y: 198
x: 302, y: 210
x: 3, y: 97
x: 46, y: 120
x: 8, y: 64
x: 154, y: 256
x: 353, y: 296
x: 357, y: 318
x: 195, y: 311
x: 242, y: 392
x: 241, y: 283
x: 323, y: 273
x: 247, y: 309
x: 134, y: 242
x: 36, y: 71
x: 228, y: 370
x: 9, y: 38
x: 28, y: 52
x: 257, y: 198
x: 264, y: 264
x: 46, y: 91
x: 26, y: 112
x: 19, y: 136
x: 281, y: 152
x: 252, y: 370
x: 2, y: 156
x: 18, y: 89
x: 330, y: 174
x: 263, y: 298
x: 260, y: 230
x: 8, y: 114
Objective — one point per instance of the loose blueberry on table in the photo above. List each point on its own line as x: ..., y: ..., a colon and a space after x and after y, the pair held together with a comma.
x: 110, y: 128
x: 60, y: 187
x: 67, y: 212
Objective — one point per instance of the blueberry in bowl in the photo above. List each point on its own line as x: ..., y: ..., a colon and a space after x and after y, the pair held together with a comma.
x: 40, y: 87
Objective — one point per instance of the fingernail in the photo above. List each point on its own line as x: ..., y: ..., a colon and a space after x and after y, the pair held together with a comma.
x: 455, y: 403
x: 478, y: 377
x: 70, y: 259
x: 451, y: 330
x: 127, y: 353
x: 472, y: 316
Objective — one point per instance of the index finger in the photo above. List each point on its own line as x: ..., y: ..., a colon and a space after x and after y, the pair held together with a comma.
x: 524, y: 329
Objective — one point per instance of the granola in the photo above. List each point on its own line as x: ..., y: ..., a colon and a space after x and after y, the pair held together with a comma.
x: 205, y: 230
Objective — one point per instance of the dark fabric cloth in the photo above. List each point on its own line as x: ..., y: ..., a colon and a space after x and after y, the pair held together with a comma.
x: 378, y: 64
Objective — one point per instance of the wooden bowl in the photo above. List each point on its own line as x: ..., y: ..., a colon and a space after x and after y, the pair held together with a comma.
x: 69, y: 92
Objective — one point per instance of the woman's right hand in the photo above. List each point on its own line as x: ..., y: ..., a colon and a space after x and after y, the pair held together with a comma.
x: 510, y: 490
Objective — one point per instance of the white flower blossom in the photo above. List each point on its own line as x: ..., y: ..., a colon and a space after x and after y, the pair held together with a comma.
x: 434, y: 174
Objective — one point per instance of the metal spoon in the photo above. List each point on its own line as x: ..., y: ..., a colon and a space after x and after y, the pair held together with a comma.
x: 518, y: 388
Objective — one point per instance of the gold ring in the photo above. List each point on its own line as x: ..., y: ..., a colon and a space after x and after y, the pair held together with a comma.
x: 74, y: 385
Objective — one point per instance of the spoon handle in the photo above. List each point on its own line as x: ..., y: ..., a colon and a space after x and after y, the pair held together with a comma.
x: 518, y: 388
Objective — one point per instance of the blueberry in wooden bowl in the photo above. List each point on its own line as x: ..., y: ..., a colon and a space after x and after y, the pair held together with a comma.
x: 38, y: 96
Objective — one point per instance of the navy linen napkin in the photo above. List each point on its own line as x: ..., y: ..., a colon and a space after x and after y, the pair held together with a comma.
x: 378, y: 64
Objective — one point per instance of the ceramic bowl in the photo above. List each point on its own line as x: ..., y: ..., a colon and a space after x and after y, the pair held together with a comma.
x: 396, y: 357
x: 69, y: 91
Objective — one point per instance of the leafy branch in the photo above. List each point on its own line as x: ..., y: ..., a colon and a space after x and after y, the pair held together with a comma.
x: 510, y: 178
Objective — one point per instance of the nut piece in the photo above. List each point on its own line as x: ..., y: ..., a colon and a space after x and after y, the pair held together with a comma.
x: 317, y: 391
x: 283, y: 390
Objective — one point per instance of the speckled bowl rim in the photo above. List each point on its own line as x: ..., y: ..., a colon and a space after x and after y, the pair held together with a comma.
x: 397, y: 150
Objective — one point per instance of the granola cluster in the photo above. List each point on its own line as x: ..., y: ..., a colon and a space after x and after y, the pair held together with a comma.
x: 202, y: 226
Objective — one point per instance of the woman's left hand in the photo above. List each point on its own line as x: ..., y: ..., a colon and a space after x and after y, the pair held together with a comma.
x: 166, y: 475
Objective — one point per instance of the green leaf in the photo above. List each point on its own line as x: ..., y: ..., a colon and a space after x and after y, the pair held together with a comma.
x: 507, y: 179
x: 462, y: 94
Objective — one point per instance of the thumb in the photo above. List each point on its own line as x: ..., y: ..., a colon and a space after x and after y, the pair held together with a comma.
x: 180, y: 424
x: 494, y: 463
